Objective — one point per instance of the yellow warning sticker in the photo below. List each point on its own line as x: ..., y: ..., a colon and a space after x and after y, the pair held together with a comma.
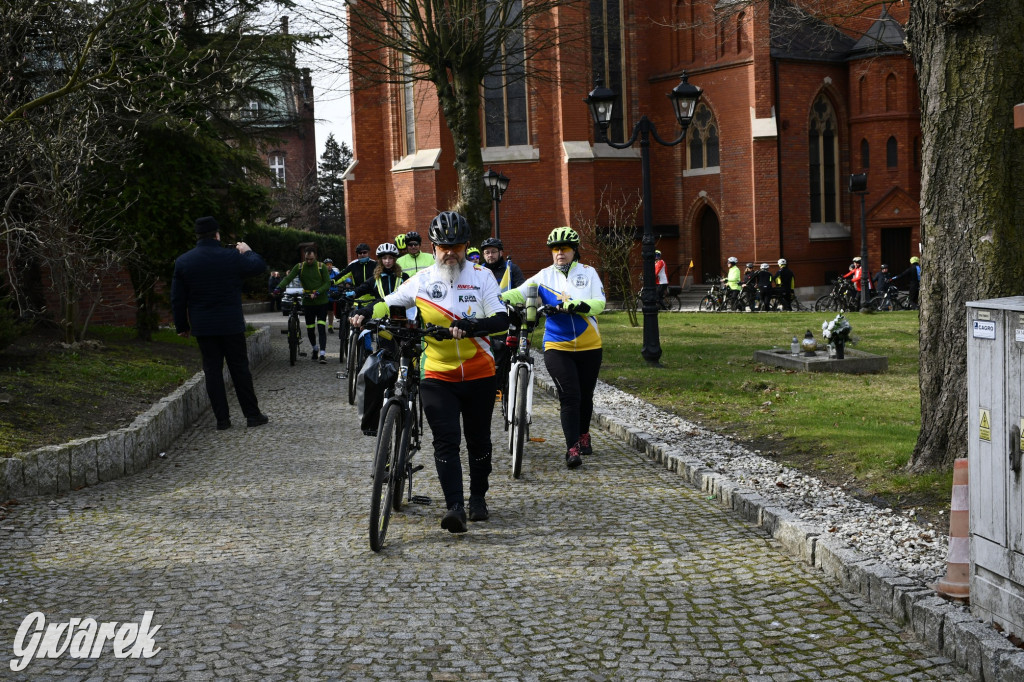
x: 985, y: 425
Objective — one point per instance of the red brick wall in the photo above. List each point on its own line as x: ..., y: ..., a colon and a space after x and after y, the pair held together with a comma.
x: 761, y: 193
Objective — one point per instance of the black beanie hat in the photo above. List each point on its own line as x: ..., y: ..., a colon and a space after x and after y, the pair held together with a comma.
x: 207, y: 224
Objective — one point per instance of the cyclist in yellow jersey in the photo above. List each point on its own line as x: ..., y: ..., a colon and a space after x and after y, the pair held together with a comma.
x: 458, y: 373
x: 572, y: 342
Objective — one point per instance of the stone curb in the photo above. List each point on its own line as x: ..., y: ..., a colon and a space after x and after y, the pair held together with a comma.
x: 975, y: 646
x: 56, y: 469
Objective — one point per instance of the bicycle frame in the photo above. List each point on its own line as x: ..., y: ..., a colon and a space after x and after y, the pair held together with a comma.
x: 521, y: 358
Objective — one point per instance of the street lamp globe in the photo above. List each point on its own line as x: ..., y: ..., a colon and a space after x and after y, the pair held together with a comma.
x: 496, y: 182
x: 601, y: 100
x: 684, y: 100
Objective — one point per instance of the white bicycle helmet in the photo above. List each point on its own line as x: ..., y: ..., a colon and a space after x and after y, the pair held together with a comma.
x: 782, y: 261
x: 733, y: 259
x: 764, y: 266
x: 387, y: 249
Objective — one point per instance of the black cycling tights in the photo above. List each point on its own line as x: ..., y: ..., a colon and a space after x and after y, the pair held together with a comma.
x: 443, y: 403
x: 575, y: 376
x: 316, y: 324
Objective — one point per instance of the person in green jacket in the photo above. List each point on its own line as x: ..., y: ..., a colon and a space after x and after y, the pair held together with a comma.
x: 414, y: 260
x: 734, y: 280
x: 316, y: 283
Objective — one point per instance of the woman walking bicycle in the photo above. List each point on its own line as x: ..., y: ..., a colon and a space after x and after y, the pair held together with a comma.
x: 572, y: 342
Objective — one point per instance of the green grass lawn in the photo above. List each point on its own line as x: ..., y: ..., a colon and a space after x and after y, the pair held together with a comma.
x: 853, y: 429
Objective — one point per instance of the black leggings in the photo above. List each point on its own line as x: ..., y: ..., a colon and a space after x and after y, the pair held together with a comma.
x: 316, y: 324
x: 443, y: 403
x: 575, y: 376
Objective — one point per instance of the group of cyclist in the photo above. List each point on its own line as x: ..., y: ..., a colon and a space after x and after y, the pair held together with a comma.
x: 460, y: 375
x: 883, y: 279
x: 762, y: 284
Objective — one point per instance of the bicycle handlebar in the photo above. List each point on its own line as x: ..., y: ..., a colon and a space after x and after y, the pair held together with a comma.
x: 401, y: 330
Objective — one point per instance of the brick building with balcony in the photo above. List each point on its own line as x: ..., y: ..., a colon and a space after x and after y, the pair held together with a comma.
x: 791, y: 106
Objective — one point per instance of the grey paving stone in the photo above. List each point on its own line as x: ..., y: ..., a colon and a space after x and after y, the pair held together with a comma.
x: 250, y: 546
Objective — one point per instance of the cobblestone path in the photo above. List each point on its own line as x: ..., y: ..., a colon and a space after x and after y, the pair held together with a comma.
x: 250, y: 548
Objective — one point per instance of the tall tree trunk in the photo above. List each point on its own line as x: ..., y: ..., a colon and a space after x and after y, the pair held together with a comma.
x: 147, y: 318
x: 968, y: 55
x: 460, y: 102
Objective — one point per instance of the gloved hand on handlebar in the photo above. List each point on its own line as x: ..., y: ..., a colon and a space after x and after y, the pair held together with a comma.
x: 466, y: 324
x: 577, y: 307
x: 277, y: 292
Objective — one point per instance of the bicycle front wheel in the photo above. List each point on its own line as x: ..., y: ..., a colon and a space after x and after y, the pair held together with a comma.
x: 343, y: 326
x: 385, y: 473
x: 824, y: 304
x: 353, y: 366
x: 707, y: 304
x: 293, y: 339
x: 674, y: 302
x: 520, y: 421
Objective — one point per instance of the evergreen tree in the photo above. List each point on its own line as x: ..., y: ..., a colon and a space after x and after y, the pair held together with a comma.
x: 335, y: 159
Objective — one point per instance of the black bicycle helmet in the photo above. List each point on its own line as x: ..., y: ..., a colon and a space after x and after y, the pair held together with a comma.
x: 492, y: 242
x: 447, y: 228
x: 413, y: 237
x: 564, y: 236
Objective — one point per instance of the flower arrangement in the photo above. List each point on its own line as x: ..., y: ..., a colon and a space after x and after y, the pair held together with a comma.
x: 837, y: 331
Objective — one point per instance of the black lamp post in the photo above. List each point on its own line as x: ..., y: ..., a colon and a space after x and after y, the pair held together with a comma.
x: 859, y: 185
x: 684, y: 99
x: 497, y: 183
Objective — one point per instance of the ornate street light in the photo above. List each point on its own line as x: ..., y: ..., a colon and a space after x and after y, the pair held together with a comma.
x: 497, y: 184
x: 684, y: 99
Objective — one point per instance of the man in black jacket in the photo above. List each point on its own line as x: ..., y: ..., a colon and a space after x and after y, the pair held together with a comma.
x: 206, y: 299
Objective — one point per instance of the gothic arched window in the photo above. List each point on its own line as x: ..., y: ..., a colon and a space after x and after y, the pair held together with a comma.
x: 702, y: 147
x: 823, y: 153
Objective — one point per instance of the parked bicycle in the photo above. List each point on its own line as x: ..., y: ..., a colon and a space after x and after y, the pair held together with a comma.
x: 715, y: 300
x: 843, y: 297
x: 671, y: 302
x: 892, y: 299
x: 294, y: 332
x: 776, y: 303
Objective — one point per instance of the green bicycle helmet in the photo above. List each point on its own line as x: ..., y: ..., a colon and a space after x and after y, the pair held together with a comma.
x: 564, y: 236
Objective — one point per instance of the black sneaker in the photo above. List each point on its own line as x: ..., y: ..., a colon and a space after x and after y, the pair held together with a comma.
x: 572, y: 458
x: 478, y: 509
x: 455, y: 520
x: 224, y: 425
x: 258, y: 420
x: 584, y: 444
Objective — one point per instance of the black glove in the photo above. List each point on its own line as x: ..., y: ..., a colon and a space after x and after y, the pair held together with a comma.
x: 577, y: 307
x: 466, y: 324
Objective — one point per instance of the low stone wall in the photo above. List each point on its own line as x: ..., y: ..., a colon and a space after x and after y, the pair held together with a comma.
x: 55, y: 469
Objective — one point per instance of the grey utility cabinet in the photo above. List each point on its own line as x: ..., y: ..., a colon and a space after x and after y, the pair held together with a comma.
x: 995, y: 419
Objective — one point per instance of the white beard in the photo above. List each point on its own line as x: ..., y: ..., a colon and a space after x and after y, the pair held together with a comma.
x: 450, y: 272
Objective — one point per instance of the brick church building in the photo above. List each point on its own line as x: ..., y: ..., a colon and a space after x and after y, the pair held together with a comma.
x: 792, y: 105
